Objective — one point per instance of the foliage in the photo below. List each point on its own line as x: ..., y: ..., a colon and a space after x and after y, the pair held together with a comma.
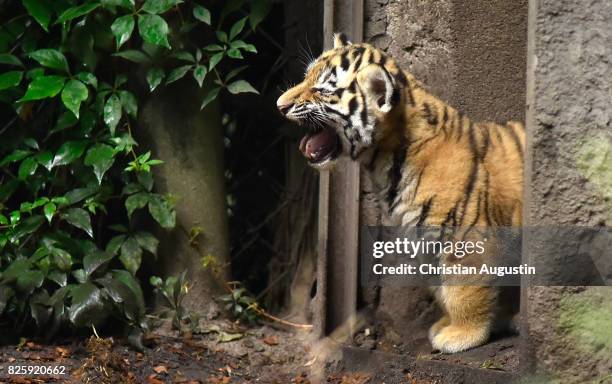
x: 240, y: 304
x: 171, y: 294
x: 72, y: 176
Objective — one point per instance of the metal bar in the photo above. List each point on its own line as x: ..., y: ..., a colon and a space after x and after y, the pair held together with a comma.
x: 320, y: 301
x: 339, y: 202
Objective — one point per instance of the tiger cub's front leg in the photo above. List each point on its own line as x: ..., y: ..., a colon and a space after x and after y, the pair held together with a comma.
x: 467, y: 319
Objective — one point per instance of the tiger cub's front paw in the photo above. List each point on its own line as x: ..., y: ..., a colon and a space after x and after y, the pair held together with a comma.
x: 455, y: 338
x: 437, y: 327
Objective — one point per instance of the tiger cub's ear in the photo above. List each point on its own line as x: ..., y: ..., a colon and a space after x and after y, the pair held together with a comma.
x: 340, y: 40
x: 379, y: 87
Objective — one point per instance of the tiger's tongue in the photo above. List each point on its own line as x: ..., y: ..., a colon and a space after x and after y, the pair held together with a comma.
x: 319, y: 145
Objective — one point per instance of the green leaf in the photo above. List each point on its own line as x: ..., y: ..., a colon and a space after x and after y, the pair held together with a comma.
x: 114, y: 244
x: 94, y: 260
x: 61, y: 258
x: 131, y: 255
x: 214, y: 60
x: 212, y: 95
x: 136, y: 201
x: 30, y: 280
x: 234, y: 53
x: 9, y: 59
x: 88, y: 78
x: 7, y: 189
x: 15, y: 268
x: 201, y: 13
x: 112, y: 113
x: 69, y: 152
x: 177, y: 73
x: 45, y: 159
x: 27, y: 168
x: 159, y: 6
x: 51, y: 58
x: 58, y: 277
x: 241, y: 86
x: 30, y: 142
x: 153, y: 29
x: 126, y: 278
x: 122, y: 28
x: 146, y: 180
x: 259, y: 10
x: 237, y: 28
x: 199, y: 73
x: 147, y: 241
x: 87, y: 307
x: 133, y: 55
x: 222, y: 36
x: 49, y: 211
x: 242, y: 45
x: 213, y: 48
x: 27, y: 226
x: 154, y: 78
x: 129, y: 4
x: 155, y: 281
x: 73, y: 95
x: 43, y: 87
x: 79, y: 218
x: 80, y: 275
x: 162, y: 212
x: 16, y: 155
x: 40, y: 10
x: 79, y: 194
x: 182, y: 55
x: 101, y: 157
x: 120, y: 79
x: 10, y: 79
x: 129, y: 103
x: 77, y: 11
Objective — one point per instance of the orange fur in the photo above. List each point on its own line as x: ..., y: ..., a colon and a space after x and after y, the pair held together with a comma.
x: 432, y: 165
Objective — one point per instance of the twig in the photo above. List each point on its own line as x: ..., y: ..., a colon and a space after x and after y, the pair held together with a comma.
x: 285, y: 322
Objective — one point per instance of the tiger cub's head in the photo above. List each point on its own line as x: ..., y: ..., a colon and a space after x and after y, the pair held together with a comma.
x: 348, y: 96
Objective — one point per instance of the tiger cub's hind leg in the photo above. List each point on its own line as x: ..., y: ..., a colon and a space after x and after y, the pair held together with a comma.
x: 468, y: 318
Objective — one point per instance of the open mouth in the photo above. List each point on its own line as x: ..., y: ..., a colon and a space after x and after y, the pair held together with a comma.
x: 320, y: 146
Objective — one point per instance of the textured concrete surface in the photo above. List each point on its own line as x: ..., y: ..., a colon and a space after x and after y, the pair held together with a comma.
x: 569, y: 134
x: 471, y: 54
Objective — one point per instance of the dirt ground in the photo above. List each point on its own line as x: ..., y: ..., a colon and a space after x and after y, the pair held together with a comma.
x: 222, y: 354
x: 225, y: 353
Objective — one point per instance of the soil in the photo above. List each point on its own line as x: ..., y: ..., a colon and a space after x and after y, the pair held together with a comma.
x: 225, y: 353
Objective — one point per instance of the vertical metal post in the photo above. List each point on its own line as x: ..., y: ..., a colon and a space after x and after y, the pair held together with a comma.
x: 338, y: 243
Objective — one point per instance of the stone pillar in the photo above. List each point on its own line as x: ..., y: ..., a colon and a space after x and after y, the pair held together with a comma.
x: 568, y: 179
x: 471, y: 54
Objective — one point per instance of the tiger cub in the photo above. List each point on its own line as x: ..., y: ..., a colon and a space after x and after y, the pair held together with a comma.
x: 433, y: 166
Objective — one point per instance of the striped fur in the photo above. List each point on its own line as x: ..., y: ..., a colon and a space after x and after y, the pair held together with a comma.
x: 431, y: 164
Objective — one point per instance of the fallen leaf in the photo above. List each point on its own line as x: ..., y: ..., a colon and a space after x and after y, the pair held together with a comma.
x: 160, y: 369
x: 271, y: 340
x: 63, y: 352
x: 224, y: 337
x: 152, y: 379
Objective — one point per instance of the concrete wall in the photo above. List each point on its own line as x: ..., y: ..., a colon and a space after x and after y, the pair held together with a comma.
x: 471, y: 54
x: 568, y: 178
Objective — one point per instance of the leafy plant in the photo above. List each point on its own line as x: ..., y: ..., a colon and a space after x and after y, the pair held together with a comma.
x: 71, y: 173
x: 240, y: 304
x: 171, y: 294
